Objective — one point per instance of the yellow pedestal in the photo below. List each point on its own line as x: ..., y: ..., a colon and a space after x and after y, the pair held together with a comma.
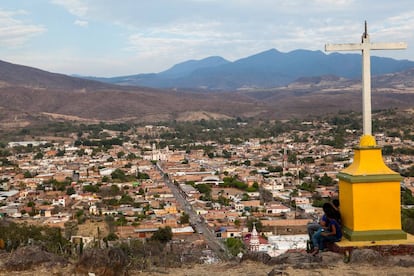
x: 370, y: 196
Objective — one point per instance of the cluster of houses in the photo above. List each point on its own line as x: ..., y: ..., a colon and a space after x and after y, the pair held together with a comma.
x: 67, y: 182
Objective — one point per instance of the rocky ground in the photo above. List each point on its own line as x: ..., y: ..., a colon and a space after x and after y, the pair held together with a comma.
x: 29, y: 261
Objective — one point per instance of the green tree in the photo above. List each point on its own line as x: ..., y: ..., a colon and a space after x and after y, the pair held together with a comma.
x: 226, y: 154
x: 255, y: 186
x: 111, y: 237
x: 275, y: 169
x: 407, y: 218
x: 245, y: 197
x: 223, y: 200
x: 235, y: 246
x: 308, y: 159
x: 70, y: 191
x: 126, y: 199
x: 318, y: 201
x: 118, y: 174
x: 91, y: 188
x: 110, y: 159
x: 141, y: 175
x: 114, y: 190
x: 292, y: 157
x: 131, y: 156
x: 203, y: 188
x: 27, y: 174
x: 406, y: 197
x: 162, y: 235
x: 326, y: 180
x: 387, y: 150
x: 408, y: 172
x: 308, y: 187
x: 38, y: 155
x: 185, y: 218
x: 294, y: 193
x: 121, y: 221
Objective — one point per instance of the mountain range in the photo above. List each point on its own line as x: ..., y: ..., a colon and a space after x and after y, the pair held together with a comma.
x: 263, y: 70
x: 33, y: 96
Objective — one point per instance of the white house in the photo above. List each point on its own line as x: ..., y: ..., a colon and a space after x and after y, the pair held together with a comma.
x: 276, y: 209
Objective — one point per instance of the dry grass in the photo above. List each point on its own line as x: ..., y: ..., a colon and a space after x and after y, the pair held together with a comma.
x: 90, y: 229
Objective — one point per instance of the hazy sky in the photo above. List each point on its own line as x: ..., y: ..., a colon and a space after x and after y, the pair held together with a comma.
x: 122, y: 37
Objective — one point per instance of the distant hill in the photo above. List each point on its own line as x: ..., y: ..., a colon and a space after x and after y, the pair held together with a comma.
x: 32, y: 96
x: 263, y: 70
x: 169, y: 77
x: 20, y: 75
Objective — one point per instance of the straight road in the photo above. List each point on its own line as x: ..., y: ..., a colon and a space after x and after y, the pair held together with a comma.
x: 196, y: 220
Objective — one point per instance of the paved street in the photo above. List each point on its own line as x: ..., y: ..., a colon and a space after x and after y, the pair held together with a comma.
x: 197, y: 221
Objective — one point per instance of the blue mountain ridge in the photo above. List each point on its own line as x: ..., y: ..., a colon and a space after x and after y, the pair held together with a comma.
x: 267, y: 69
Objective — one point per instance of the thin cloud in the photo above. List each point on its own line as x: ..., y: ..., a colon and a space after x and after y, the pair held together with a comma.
x: 14, y: 32
x: 334, y: 2
x: 154, y: 35
x: 75, y: 7
x: 81, y: 23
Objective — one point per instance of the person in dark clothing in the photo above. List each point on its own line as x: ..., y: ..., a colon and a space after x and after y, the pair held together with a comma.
x: 335, y: 203
x: 314, y: 227
x: 332, y: 233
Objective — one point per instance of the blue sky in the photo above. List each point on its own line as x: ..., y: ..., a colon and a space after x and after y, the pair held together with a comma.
x: 123, y: 37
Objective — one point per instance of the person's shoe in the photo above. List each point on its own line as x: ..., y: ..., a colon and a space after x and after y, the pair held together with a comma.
x: 309, y: 246
x: 314, y: 251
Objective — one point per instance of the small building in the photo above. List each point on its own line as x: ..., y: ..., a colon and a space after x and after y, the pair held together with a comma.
x: 276, y: 209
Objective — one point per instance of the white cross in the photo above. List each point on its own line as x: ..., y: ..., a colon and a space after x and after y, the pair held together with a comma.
x: 365, y: 46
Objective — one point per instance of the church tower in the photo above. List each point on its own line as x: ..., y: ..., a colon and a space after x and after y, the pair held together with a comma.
x: 254, y: 240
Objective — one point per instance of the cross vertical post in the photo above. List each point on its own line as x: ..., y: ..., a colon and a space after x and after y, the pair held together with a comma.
x: 366, y: 84
x: 366, y: 46
x: 369, y: 191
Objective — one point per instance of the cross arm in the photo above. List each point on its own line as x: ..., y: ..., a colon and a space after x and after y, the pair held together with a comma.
x: 343, y: 47
x: 389, y: 46
x: 361, y: 46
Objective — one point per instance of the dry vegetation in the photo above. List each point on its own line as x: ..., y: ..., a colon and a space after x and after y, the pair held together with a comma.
x: 29, y: 96
x: 232, y: 268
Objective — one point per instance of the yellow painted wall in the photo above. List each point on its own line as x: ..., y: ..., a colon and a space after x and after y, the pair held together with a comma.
x: 368, y: 162
x: 346, y: 204
x: 370, y: 206
x: 377, y: 206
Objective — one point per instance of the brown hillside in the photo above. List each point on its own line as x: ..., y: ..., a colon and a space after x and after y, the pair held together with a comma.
x: 30, y: 95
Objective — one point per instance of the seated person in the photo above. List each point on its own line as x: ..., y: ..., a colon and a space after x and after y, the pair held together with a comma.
x: 313, y: 227
x: 332, y: 233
